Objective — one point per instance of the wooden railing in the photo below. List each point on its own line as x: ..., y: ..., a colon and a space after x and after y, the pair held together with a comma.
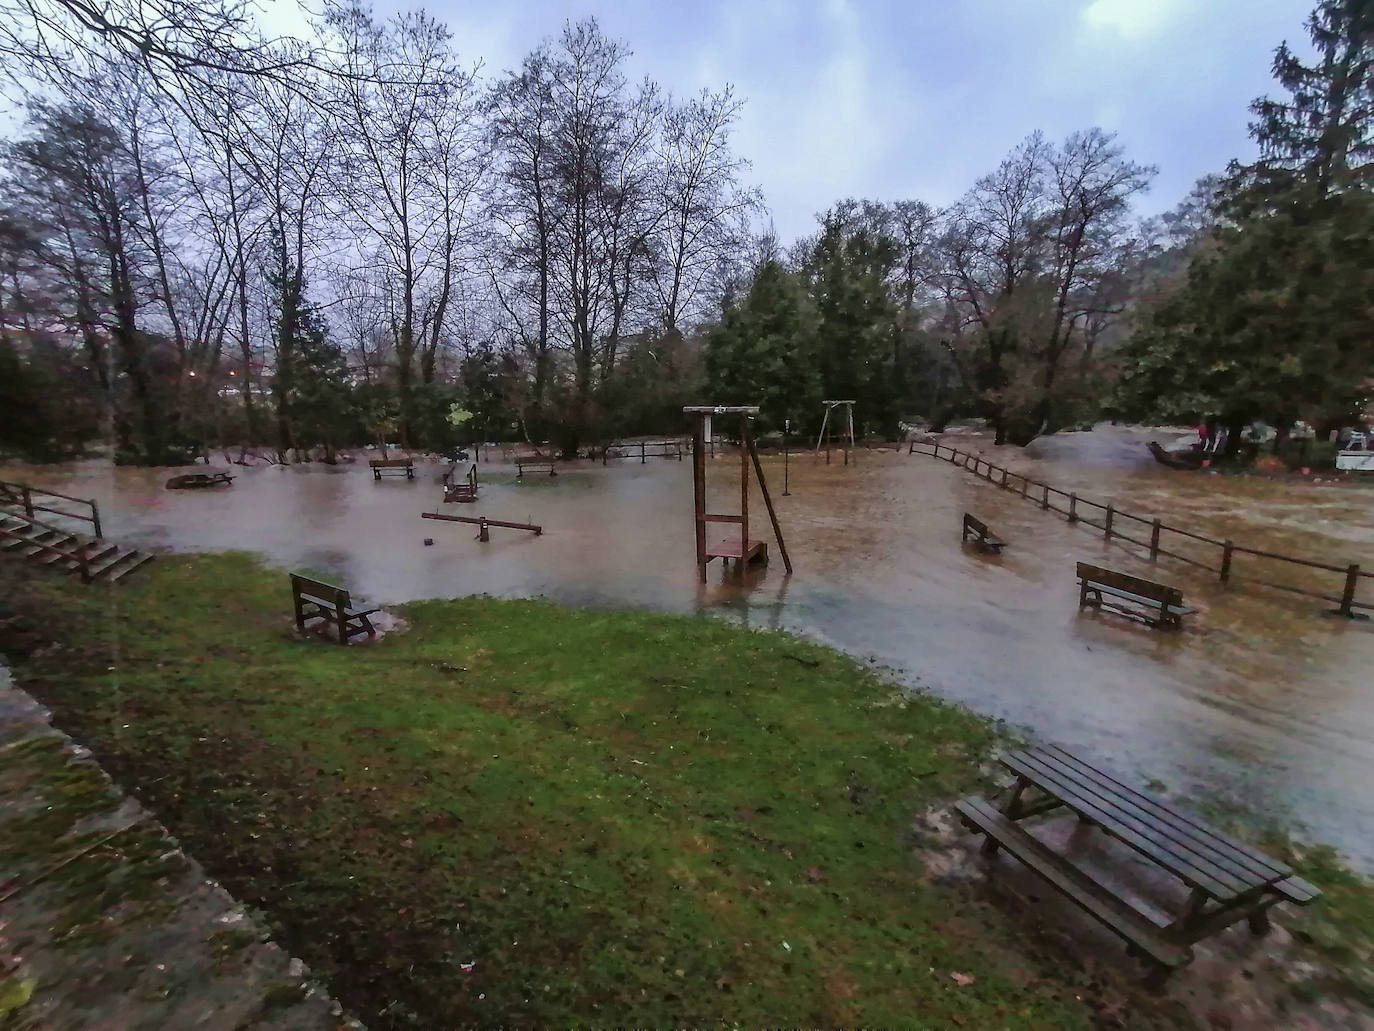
x: 1045, y: 496
x: 33, y: 500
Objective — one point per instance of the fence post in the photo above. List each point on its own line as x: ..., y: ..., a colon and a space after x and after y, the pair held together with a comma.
x: 1226, y: 561
x: 1154, y: 541
x: 1073, y: 508
x: 1045, y: 499
x: 1025, y: 486
x: 1352, y: 576
x: 1107, y: 523
x: 28, y: 501
x: 95, y: 519
x: 1004, y: 479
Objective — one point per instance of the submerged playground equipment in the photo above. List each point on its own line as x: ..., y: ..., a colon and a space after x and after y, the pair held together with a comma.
x: 846, y: 431
x: 741, y: 548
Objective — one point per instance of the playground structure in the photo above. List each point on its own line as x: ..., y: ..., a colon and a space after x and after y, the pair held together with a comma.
x: 742, y: 548
x: 483, y: 524
x: 464, y: 492
x: 847, y: 430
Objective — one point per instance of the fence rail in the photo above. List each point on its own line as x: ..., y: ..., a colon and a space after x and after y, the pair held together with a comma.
x: 30, y: 499
x: 1041, y: 493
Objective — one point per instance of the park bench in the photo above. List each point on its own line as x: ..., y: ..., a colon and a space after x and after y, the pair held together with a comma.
x: 984, y: 538
x: 315, y: 600
x: 521, y: 464
x: 397, y: 465
x: 1223, y: 880
x: 1162, y: 605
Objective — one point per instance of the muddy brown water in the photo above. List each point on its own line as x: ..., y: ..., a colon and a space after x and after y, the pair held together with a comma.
x: 1262, y: 704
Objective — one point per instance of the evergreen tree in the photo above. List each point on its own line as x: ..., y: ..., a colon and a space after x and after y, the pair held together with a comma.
x: 1319, y: 139
x: 763, y: 352
x: 320, y: 403
x: 848, y: 268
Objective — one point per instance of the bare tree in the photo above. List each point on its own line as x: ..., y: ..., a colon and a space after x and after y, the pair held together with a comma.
x: 408, y: 163
x: 706, y: 209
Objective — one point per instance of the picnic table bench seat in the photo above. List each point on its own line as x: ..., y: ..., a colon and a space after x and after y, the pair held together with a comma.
x: 1118, y: 916
x: 1226, y: 880
x: 984, y: 538
x: 1155, y: 604
x: 325, y: 603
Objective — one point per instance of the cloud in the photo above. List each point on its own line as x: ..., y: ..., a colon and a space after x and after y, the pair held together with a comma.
x: 1130, y: 19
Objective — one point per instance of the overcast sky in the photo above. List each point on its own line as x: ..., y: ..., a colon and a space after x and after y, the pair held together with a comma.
x: 889, y: 99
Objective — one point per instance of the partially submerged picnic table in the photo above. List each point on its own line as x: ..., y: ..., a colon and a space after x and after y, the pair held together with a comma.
x: 1227, y: 880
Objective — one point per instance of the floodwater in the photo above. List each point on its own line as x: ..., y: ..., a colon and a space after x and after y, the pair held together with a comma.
x: 1262, y: 703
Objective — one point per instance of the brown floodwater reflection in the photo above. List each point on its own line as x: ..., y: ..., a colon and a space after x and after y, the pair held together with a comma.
x: 1262, y: 702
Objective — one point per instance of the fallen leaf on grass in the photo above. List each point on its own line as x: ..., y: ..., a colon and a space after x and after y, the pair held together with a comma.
x: 962, y: 980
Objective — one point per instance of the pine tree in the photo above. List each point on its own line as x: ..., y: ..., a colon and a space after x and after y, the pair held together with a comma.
x: 763, y: 351
x: 1319, y: 139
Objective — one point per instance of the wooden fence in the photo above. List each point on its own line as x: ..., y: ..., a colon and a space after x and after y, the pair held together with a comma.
x: 1085, y: 510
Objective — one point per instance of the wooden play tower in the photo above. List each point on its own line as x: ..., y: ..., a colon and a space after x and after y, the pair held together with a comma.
x: 739, y: 547
x: 846, y: 431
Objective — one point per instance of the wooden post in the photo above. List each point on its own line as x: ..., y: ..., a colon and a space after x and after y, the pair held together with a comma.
x: 1226, y: 561
x: 95, y: 520
x: 768, y: 503
x: 746, y: 441
x: 1352, y: 577
x: 1004, y: 477
x: 1073, y: 508
x: 641, y: 453
x: 1045, y: 500
x: 1107, y: 523
x: 27, y: 494
x: 1025, y: 486
x: 1154, y: 541
x: 699, y: 491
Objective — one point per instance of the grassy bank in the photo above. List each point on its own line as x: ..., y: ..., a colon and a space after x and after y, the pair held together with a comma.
x: 526, y: 814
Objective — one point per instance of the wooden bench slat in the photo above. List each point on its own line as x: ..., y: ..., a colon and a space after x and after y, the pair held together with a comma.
x: 1261, y: 863
x: 1136, y: 831
x: 1298, y: 891
x: 1098, y: 902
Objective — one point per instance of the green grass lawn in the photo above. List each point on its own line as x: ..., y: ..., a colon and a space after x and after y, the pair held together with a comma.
x: 519, y: 813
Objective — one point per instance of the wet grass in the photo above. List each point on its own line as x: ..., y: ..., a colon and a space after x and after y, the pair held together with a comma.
x: 526, y: 814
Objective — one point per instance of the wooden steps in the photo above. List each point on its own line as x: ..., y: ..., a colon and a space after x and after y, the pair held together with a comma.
x: 91, y: 558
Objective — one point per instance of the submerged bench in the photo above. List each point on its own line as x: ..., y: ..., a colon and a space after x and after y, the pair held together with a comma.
x: 984, y: 538
x: 1156, y: 604
x: 1226, y: 881
x: 396, y: 465
x: 521, y: 464
x: 327, y: 604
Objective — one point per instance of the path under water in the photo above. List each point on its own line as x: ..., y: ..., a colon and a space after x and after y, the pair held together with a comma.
x: 1262, y: 703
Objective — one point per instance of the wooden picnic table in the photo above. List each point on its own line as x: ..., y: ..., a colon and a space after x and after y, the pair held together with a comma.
x: 1227, y: 880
